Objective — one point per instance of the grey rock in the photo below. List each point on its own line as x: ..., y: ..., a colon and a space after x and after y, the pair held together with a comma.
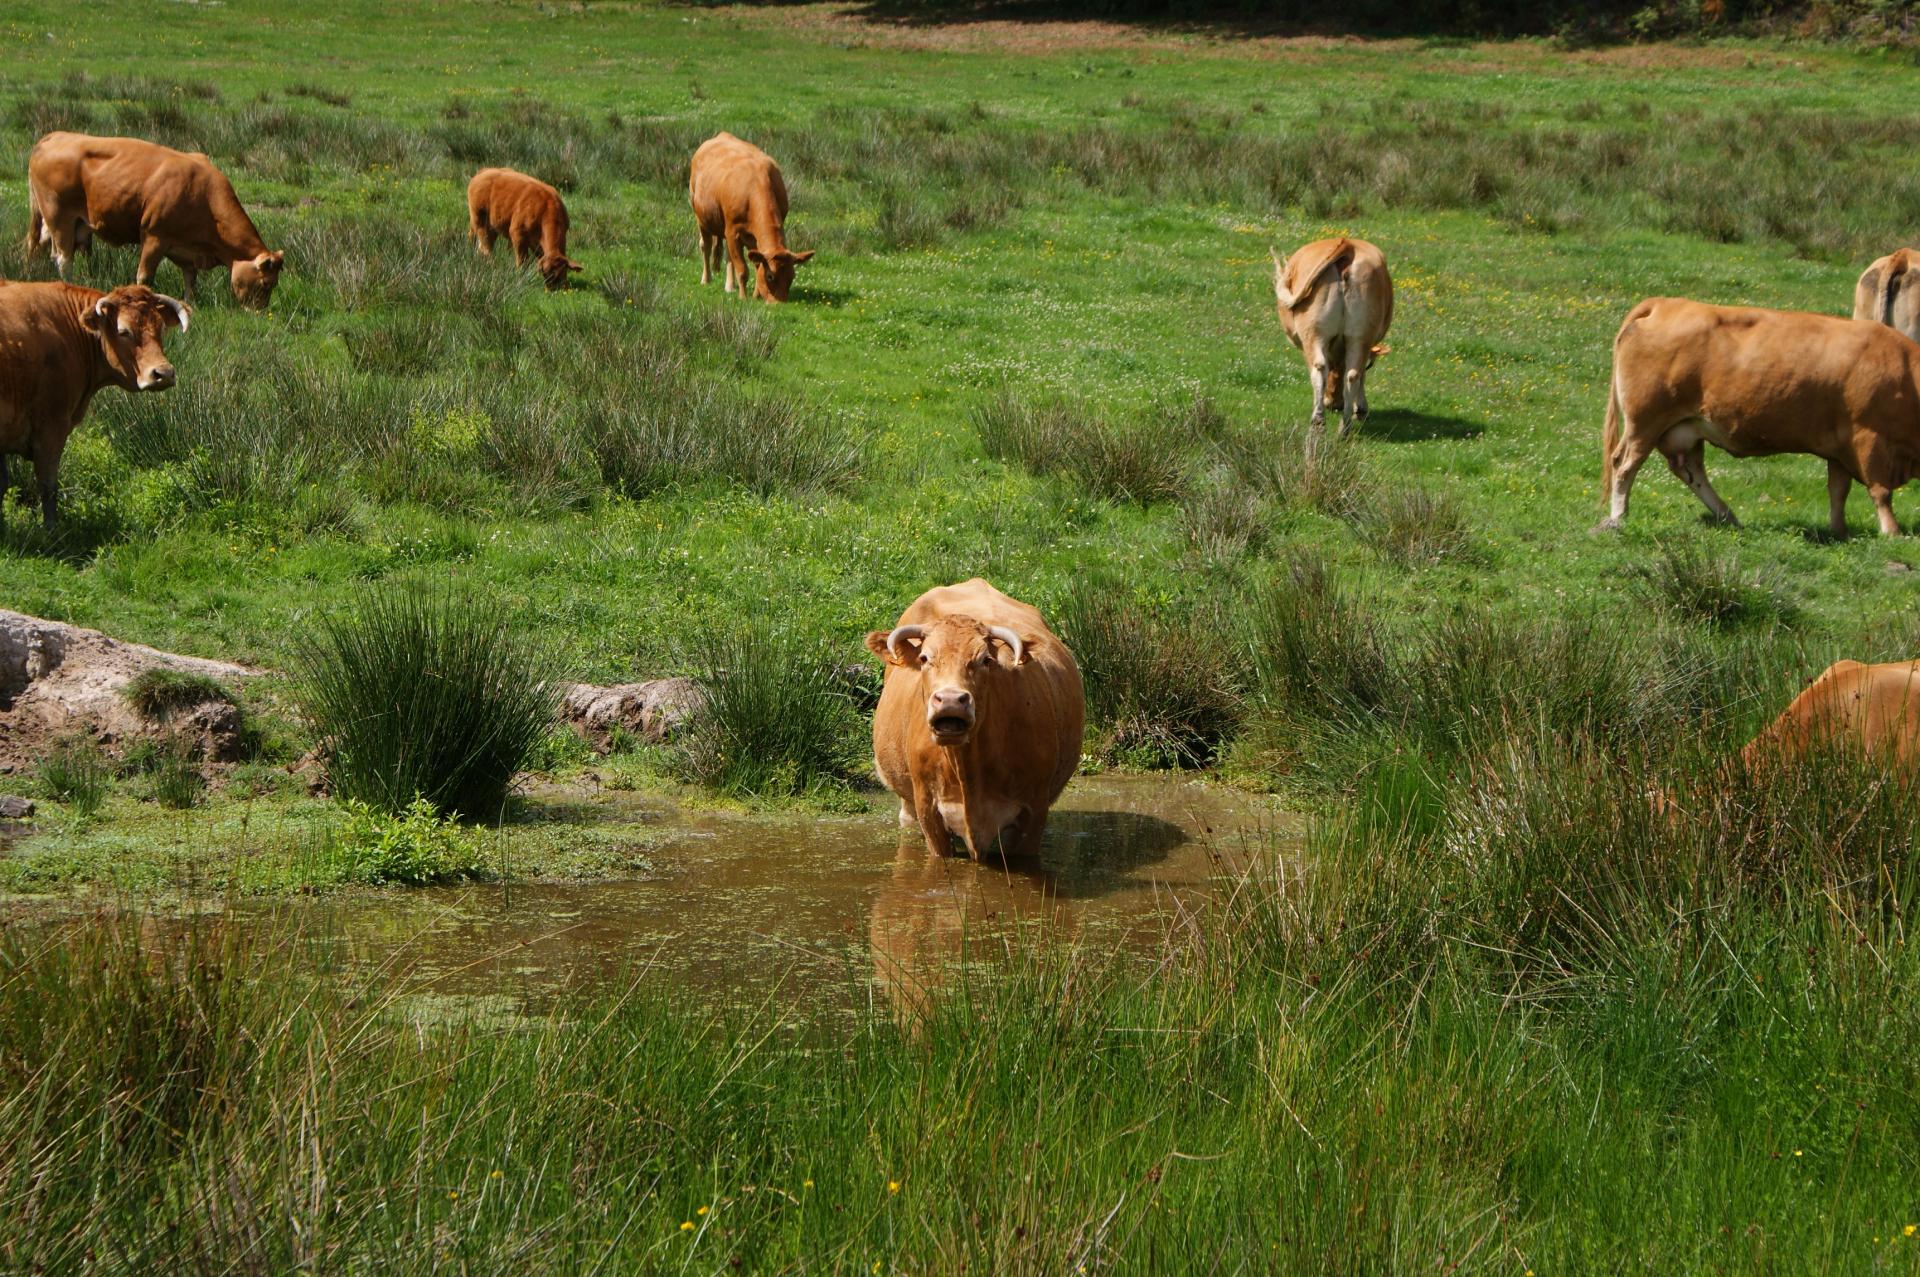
x: 13, y: 808
x: 652, y: 711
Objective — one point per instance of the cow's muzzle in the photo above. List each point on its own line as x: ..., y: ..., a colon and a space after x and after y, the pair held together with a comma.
x: 158, y: 377
x: 950, y: 716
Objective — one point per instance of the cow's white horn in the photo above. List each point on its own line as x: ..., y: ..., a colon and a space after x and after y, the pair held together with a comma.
x: 1011, y: 639
x: 100, y: 308
x: 180, y: 309
x: 902, y: 632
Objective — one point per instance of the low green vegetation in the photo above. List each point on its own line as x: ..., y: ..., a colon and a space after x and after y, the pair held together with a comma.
x: 427, y: 696
x: 161, y: 691
x: 1553, y: 982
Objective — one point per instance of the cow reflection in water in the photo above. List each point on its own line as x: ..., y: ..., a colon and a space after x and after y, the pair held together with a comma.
x: 938, y: 916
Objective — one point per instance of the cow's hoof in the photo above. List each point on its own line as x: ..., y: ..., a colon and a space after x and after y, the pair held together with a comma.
x: 1607, y: 525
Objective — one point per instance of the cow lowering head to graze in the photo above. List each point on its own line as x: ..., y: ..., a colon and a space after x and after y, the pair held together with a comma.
x: 529, y: 213
x: 1755, y: 383
x: 1870, y: 710
x: 59, y: 345
x: 1889, y: 293
x: 173, y: 204
x: 980, y: 718
x: 1336, y: 304
x: 740, y: 203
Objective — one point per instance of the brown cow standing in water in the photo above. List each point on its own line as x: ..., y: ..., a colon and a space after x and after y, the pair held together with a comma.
x: 740, y: 201
x: 1336, y: 304
x: 173, y: 204
x: 980, y: 719
x: 59, y: 345
x: 528, y: 212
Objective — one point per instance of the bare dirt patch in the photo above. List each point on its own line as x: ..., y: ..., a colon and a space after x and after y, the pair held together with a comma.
x: 58, y: 680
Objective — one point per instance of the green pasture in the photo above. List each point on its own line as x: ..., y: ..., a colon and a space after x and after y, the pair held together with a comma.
x: 1548, y: 986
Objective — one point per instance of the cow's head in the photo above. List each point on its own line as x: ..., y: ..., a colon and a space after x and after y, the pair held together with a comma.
x: 253, y: 279
x: 960, y: 664
x: 555, y: 267
x: 773, y: 272
x: 128, y: 323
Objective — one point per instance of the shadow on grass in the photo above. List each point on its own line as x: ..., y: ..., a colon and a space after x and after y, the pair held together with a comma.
x: 1399, y: 425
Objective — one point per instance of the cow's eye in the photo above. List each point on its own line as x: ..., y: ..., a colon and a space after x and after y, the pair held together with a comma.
x: 924, y: 658
x: 126, y: 332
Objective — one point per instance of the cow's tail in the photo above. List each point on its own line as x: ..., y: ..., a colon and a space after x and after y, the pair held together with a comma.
x: 1889, y: 281
x: 1610, y: 436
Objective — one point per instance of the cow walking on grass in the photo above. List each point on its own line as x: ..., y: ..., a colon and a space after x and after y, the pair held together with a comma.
x: 501, y: 201
x: 59, y: 346
x: 173, y: 204
x: 980, y: 719
x: 740, y: 202
x: 1889, y: 293
x: 1336, y: 304
x: 1757, y: 383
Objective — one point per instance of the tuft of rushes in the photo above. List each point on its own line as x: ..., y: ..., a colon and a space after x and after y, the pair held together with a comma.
x: 1697, y: 585
x: 74, y: 772
x: 1141, y: 461
x: 778, y: 718
x: 430, y: 694
x: 162, y: 691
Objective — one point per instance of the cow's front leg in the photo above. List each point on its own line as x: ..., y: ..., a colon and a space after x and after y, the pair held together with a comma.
x: 736, y: 266
x: 933, y: 826
x: 190, y: 276
x: 150, y: 255
x: 46, y: 473
x: 6, y: 481
x: 1883, y: 506
x: 1690, y: 465
x: 1839, y: 483
x: 1022, y: 837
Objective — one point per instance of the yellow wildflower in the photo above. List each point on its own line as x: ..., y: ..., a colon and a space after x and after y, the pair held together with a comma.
x: 701, y: 1211
x: 893, y: 1186
x: 686, y: 1225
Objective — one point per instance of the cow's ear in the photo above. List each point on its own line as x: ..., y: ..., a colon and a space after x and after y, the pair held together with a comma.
x: 757, y: 257
x: 804, y: 257
x: 271, y: 263
x: 573, y: 265
x: 100, y: 314
x: 877, y: 644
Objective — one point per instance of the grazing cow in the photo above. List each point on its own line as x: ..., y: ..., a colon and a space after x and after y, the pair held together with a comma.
x: 1871, y: 708
x: 980, y: 718
x: 172, y: 204
x: 1885, y: 294
x: 59, y: 345
x: 740, y: 201
x: 1336, y: 303
x: 1755, y: 383
x: 528, y: 212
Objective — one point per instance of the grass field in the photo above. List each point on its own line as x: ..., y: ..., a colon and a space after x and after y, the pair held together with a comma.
x: 1546, y: 990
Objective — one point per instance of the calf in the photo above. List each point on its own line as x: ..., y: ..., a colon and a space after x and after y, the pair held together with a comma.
x: 59, y: 345
x: 528, y: 212
x: 740, y: 202
x: 173, y: 204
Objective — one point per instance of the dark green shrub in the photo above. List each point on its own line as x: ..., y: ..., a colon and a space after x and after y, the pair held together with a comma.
x: 427, y: 694
x: 778, y: 718
x: 75, y: 773
x: 1159, y: 682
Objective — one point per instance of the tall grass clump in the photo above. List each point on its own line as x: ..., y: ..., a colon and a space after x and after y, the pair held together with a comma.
x: 777, y: 719
x: 427, y: 694
x: 1160, y: 685
x: 162, y: 691
x: 1415, y: 527
x: 1695, y: 584
x: 74, y: 772
x: 1141, y: 461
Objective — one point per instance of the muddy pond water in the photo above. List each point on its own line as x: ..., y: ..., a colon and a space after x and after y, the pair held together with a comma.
x: 747, y: 908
